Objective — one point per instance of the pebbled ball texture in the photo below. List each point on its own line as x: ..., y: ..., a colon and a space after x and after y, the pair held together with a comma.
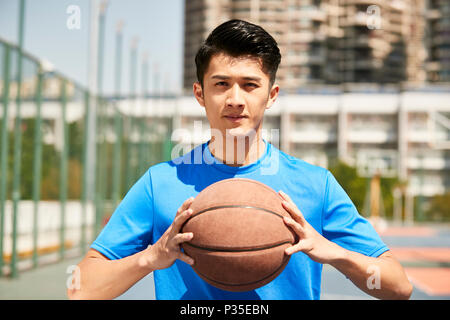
x: 239, y: 234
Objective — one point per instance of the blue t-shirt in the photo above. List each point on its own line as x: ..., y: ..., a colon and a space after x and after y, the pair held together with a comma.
x: 150, y: 206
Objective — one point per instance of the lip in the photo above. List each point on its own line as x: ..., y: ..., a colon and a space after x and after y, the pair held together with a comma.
x: 235, y: 118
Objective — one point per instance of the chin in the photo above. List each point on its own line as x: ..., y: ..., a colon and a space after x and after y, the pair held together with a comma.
x: 241, y: 132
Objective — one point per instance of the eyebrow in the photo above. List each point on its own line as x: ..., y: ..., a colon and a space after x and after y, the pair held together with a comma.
x: 223, y: 77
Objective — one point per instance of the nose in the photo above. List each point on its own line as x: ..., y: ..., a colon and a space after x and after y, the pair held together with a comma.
x: 235, y: 97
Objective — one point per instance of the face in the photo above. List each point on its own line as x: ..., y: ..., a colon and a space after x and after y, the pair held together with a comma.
x: 235, y: 94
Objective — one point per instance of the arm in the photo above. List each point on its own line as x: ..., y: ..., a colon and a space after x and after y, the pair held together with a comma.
x: 381, y: 277
x: 101, y: 278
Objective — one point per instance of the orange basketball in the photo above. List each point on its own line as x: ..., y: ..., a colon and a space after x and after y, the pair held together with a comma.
x: 239, y: 234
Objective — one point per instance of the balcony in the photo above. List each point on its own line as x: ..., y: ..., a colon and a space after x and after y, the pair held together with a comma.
x: 429, y: 163
x: 419, y: 136
x: 427, y: 190
x: 313, y: 136
x: 371, y: 136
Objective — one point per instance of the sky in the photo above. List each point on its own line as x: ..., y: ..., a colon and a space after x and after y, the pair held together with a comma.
x: 157, y: 24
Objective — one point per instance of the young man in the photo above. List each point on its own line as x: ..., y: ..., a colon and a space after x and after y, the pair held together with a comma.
x: 236, y: 68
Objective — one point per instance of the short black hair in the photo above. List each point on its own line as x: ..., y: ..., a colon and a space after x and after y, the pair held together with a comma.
x: 239, y: 38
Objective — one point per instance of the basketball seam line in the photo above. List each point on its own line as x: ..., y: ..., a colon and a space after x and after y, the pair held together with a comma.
x: 238, y: 249
x: 237, y: 206
x: 247, y: 283
x: 231, y: 206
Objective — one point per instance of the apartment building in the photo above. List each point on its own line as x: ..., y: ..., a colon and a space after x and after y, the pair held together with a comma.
x: 382, y: 41
x: 330, y: 41
x: 299, y: 37
x: 437, y: 40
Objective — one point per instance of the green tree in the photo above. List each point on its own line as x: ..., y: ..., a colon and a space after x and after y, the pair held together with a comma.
x: 357, y: 187
x: 353, y: 184
x: 50, y: 170
x: 439, y: 207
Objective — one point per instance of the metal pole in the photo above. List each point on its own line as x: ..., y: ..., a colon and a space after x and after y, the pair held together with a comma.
x: 63, y: 167
x: 130, y: 168
x: 142, y: 158
x: 116, y: 185
x: 4, y: 148
x: 37, y: 164
x: 101, y: 105
x: 100, y: 163
x: 91, y: 107
x: 84, y: 193
x: 17, y: 143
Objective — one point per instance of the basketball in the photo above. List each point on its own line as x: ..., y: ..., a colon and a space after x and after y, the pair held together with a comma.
x: 239, y: 234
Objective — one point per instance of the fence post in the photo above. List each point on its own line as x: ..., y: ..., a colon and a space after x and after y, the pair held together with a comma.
x: 17, y: 143
x: 117, y: 152
x: 63, y: 166
x: 37, y: 164
x: 131, y: 163
x: 101, y: 145
x: 4, y: 148
x: 85, y: 172
x: 116, y: 185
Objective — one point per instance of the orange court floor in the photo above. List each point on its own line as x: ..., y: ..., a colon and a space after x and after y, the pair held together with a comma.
x: 424, y: 252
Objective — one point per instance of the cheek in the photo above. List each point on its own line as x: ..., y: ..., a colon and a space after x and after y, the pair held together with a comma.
x: 258, y: 107
x: 213, y: 109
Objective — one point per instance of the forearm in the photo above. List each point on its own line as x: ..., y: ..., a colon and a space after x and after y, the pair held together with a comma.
x: 101, y: 278
x: 381, y: 277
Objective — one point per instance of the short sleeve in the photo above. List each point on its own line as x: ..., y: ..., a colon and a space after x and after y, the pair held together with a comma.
x: 129, y: 230
x: 342, y: 224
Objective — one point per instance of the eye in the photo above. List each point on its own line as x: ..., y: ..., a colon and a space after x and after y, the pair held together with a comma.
x: 251, y: 85
x: 221, y: 83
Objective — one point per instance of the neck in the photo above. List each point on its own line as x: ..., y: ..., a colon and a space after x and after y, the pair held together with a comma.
x: 237, y: 151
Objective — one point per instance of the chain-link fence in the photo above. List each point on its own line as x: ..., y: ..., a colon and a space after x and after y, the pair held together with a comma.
x: 46, y: 213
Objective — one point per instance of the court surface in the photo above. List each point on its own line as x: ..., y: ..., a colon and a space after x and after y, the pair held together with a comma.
x: 424, y: 251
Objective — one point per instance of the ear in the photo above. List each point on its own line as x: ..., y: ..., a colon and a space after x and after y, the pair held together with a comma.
x: 198, y: 93
x: 273, y: 95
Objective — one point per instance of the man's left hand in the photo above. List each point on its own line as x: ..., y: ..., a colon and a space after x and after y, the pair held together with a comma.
x: 311, y: 242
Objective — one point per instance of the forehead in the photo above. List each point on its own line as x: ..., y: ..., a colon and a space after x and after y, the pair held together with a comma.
x: 241, y: 66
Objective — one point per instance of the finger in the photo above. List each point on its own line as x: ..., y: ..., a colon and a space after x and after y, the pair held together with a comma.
x: 294, y: 212
x: 298, y: 247
x: 298, y: 229
x: 284, y: 196
x: 183, y: 237
x: 180, y: 220
x: 185, y: 258
x: 186, y: 204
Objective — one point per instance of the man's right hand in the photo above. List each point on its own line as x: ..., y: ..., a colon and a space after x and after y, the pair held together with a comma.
x: 167, y: 249
x: 101, y: 278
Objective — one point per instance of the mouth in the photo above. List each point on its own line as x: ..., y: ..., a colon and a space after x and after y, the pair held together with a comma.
x: 235, y: 118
